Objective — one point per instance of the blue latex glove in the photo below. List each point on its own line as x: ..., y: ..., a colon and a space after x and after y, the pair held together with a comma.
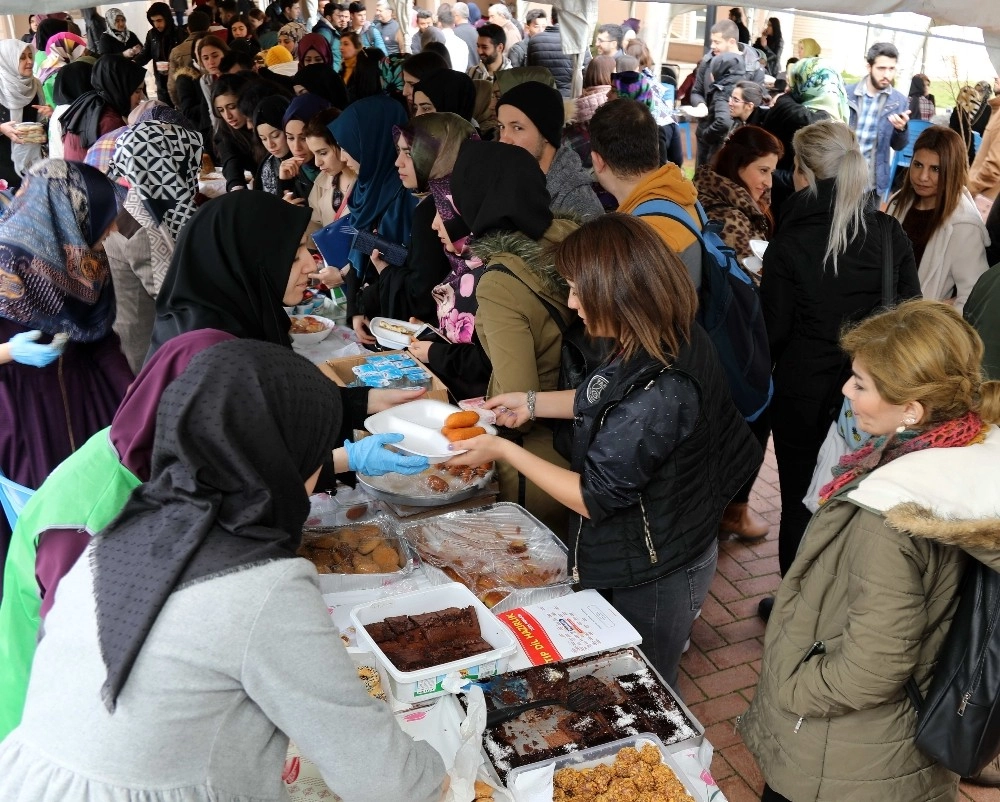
x: 25, y: 350
x: 368, y: 456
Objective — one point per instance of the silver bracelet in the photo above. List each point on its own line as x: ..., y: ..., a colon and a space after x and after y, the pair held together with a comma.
x: 531, y: 404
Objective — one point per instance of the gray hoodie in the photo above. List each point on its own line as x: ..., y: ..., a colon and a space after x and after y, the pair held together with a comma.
x: 570, y: 185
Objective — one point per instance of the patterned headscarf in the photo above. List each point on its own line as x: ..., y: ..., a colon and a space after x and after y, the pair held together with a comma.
x: 634, y: 86
x: 161, y: 164
x: 111, y: 15
x: 434, y: 141
x: 391, y: 70
x: 51, y: 276
x: 817, y: 85
x: 294, y: 31
x: 62, y: 49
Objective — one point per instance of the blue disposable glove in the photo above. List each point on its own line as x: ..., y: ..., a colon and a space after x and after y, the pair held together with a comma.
x: 368, y: 456
x: 25, y: 350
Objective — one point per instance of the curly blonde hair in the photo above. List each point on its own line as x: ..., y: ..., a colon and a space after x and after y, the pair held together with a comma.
x: 924, y: 351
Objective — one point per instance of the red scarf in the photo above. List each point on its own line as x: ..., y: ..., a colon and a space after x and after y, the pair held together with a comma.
x: 878, y: 451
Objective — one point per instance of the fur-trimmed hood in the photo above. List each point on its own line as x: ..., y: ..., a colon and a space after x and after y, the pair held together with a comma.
x: 949, y: 495
x: 538, y: 255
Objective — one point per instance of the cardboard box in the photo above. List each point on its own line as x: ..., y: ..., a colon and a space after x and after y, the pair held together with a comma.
x: 340, y: 371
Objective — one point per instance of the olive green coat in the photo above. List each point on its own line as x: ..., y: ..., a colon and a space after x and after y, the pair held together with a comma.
x: 875, y: 581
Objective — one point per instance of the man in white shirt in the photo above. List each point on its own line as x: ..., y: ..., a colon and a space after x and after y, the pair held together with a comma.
x: 457, y: 48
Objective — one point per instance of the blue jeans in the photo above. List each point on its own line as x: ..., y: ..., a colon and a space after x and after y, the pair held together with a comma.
x: 664, y: 610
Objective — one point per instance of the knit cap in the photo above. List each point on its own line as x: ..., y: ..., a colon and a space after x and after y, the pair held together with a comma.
x: 277, y: 55
x: 542, y: 104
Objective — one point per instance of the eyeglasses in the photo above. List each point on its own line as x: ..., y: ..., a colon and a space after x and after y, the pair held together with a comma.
x: 737, y: 100
x: 601, y: 41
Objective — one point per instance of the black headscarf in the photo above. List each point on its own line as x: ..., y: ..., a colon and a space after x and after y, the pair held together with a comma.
x: 72, y: 81
x: 48, y: 28
x: 222, y: 277
x: 114, y: 79
x: 270, y: 111
x: 320, y: 80
x: 498, y: 187
x: 449, y: 91
x: 230, y: 460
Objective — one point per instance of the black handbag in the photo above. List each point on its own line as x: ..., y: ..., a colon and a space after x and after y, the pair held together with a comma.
x: 958, y: 723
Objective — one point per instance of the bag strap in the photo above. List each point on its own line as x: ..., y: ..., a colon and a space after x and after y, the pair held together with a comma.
x: 553, y: 312
x: 661, y: 207
x: 913, y: 693
x: 888, y: 290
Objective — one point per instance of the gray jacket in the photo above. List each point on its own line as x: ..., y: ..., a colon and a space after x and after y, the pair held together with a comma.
x: 570, y: 185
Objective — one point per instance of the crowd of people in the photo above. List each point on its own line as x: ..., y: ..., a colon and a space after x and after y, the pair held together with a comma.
x: 151, y: 399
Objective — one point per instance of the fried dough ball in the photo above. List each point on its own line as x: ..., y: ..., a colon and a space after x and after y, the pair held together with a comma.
x: 650, y: 754
x: 386, y: 558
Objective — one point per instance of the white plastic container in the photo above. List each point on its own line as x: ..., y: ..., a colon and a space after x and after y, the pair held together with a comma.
x: 605, y: 755
x: 416, y: 686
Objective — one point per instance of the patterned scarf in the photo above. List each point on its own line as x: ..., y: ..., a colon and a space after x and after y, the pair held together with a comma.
x: 816, y: 85
x: 52, y: 278
x: 62, y: 49
x: 878, y: 451
x: 455, y: 297
x: 111, y: 15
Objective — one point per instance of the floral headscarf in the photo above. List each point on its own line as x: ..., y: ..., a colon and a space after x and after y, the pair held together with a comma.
x: 294, y: 31
x: 817, y: 85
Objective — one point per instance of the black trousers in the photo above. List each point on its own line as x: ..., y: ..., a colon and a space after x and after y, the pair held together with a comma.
x: 761, y: 429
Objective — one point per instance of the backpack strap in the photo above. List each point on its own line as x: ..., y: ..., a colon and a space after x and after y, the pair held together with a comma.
x: 661, y: 207
x: 553, y: 312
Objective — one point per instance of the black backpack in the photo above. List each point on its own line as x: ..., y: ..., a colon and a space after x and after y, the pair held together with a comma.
x: 958, y: 723
x: 580, y: 356
x: 728, y: 309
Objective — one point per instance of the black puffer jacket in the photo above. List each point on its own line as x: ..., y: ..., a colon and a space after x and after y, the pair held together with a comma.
x: 158, y: 46
x: 546, y: 50
x: 672, y: 439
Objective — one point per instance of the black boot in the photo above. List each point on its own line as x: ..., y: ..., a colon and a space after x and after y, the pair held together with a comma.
x: 765, y: 607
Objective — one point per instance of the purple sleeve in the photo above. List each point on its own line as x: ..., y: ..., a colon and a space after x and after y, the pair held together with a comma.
x: 58, y: 550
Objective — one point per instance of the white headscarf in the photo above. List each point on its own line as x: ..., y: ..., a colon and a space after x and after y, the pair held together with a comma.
x: 111, y: 15
x: 16, y: 90
x: 16, y: 93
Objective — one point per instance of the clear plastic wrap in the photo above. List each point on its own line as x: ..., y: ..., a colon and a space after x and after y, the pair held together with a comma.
x: 502, y: 553
x: 357, y: 556
x: 438, y: 485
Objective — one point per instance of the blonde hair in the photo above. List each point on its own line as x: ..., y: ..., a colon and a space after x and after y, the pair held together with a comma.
x: 924, y: 351
x: 810, y: 47
x: 829, y: 149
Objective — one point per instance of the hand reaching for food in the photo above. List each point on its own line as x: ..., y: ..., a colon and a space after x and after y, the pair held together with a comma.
x: 370, y: 457
x: 380, y: 400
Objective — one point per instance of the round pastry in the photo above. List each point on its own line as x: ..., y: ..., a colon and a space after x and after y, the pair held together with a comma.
x: 386, y: 558
x: 365, y: 565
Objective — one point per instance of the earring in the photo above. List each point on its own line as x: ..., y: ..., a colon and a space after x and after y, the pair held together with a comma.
x: 903, y: 426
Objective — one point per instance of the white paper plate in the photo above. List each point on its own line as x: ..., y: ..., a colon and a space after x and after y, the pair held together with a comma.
x: 420, y: 424
x: 396, y: 340
x: 753, y: 264
x: 758, y: 246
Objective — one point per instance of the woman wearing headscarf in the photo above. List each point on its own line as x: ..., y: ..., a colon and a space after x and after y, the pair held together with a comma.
x: 499, y: 191
x: 268, y: 127
x: 119, y: 85
x: 427, y: 148
x: 314, y: 49
x: 75, y: 502
x: 47, y: 28
x: 173, y: 662
x: 118, y: 38
x: 62, y: 49
x: 99, y: 154
x: 508, y: 79
x: 160, y: 162
x: 637, y: 85
x: 815, y: 92
x: 379, y: 201
x: 445, y: 91
x: 299, y: 166
x: 69, y: 83
x: 20, y: 93
x: 319, y: 80
x: 56, y: 281
x: 289, y: 36
x: 967, y: 105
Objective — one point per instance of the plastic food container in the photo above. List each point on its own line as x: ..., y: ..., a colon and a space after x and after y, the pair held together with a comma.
x: 414, y: 490
x: 645, y: 704
x: 416, y: 686
x: 347, y: 506
x: 501, y: 552
x: 605, y: 755
x: 343, y: 540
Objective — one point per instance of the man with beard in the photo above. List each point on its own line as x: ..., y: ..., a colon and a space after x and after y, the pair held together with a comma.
x: 491, y: 47
x: 879, y: 114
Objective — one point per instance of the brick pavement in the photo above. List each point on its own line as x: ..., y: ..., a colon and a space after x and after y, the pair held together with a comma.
x: 719, y: 672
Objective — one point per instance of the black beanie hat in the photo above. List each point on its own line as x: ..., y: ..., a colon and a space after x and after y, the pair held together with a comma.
x: 542, y: 104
